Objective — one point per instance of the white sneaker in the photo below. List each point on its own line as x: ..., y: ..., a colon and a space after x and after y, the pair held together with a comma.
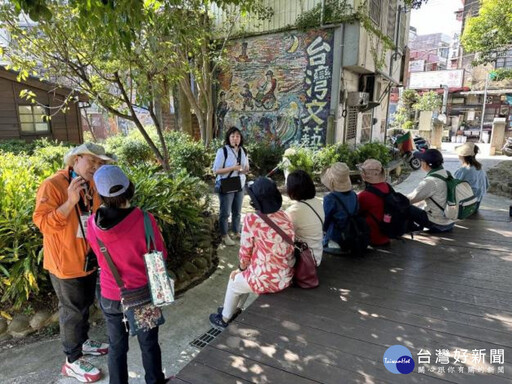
x: 227, y: 240
x: 95, y: 348
x: 333, y: 244
x: 81, y: 370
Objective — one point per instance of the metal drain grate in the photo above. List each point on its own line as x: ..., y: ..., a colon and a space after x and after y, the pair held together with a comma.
x: 205, y: 339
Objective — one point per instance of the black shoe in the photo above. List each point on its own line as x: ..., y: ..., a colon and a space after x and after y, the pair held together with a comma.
x: 217, y: 322
x: 235, y: 315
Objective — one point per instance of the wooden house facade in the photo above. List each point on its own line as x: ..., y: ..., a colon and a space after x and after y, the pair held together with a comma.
x: 21, y: 119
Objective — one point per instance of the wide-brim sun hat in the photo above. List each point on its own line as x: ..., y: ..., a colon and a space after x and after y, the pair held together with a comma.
x: 264, y: 195
x: 372, y: 171
x: 337, y: 178
x: 86, y: 149
x: 467, y: 149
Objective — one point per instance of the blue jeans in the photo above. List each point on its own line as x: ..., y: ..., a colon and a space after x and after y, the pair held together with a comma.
x: 75, y: 297
x: 118, y: 349
x: 230, y: 203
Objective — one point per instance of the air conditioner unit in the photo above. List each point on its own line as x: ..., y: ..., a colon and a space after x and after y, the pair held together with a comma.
x: 358, y: 99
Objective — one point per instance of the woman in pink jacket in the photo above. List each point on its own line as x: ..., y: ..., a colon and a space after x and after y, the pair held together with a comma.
x: 266, y: 260
x: 121, y: 228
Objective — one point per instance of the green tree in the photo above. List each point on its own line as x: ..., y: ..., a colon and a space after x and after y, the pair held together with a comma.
x: 416, y: 4
x: 405, y: 115
x: 127, y: 54
x: 428, y: 101
x: 489, y: 33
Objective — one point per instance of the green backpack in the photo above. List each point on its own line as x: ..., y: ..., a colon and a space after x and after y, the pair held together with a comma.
x: 461, y: 202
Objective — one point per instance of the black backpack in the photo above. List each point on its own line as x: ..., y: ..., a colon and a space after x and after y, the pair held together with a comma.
x: 355, y: 234
x: 395, y: 222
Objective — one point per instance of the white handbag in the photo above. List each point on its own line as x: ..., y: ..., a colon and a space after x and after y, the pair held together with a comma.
x: 160, y: 283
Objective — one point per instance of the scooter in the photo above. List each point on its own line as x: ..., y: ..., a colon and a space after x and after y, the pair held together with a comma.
x: 507, y: 148
x: 406, y: 152
x: 420, y: 143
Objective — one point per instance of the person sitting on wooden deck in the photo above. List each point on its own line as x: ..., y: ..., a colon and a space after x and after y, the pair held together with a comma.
x: 266, y: 260
x: 471, y: 170
x: 431, y: 190
x: 371, y: 206
x: 306, y: 212
x: 338, y: 205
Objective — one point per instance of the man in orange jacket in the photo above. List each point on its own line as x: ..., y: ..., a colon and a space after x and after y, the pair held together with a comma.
x: 64, y: 202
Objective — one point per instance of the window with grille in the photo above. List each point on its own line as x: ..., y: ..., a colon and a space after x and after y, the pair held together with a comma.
x: 366, y: 127
x: 351, y: 123
x: 504, y: 59
x: 375, y: 10
x: 31, y: 119
x: 392, y: 19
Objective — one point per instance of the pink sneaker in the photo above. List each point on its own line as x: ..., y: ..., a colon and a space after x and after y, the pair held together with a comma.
x: 95, y: 348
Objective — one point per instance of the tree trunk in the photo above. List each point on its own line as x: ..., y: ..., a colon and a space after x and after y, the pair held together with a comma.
x: 184, y: 115
x: 163, y: 109
x: 89, y: 124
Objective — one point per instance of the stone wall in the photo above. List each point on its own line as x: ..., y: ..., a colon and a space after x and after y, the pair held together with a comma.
x: 500, y: 179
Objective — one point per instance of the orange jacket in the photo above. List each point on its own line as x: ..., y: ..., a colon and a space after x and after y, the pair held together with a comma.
x: 64, y: 252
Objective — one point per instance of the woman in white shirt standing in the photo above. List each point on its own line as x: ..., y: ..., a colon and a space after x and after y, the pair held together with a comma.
x: 231, y: 161
x: 306, y: 211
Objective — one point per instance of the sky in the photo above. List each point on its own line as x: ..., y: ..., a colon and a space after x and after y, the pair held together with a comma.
x: 437, y: 16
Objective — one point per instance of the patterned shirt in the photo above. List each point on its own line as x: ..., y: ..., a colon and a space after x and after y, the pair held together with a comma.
x: 269, y: 258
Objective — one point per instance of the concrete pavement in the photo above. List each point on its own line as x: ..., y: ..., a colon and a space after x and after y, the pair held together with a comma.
x: 186, y: 319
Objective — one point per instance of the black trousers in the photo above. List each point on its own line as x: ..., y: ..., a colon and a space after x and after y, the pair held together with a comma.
x: 75, y: 297
x: 420, y: 220
x: 118, y: 347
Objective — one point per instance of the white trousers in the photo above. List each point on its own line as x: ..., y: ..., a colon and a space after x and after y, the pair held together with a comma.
x: 237, y: 293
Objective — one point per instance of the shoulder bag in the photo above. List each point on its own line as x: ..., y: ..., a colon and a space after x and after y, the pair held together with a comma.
x: 230, y: 183
x: 305, y: 275
x: 138, y: 309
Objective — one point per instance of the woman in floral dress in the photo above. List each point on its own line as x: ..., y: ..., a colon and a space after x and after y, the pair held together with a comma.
x: 266, y: 260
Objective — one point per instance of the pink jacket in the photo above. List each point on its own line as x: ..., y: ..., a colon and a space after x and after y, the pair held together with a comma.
x: 126, y: 244
x: 269, y: 258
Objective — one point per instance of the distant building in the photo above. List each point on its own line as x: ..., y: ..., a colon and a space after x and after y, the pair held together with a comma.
x: 429, y: 52
x: 499, y: 93
x: 20, y: 119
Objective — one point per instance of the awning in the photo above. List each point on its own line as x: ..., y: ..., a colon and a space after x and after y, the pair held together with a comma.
x: 441, y: 90
x: 489, y: 92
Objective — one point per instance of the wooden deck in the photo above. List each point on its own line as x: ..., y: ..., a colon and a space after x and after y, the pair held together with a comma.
x: 433, y: 292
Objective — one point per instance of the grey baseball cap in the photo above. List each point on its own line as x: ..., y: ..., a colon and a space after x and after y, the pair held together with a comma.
x: 109, y: 176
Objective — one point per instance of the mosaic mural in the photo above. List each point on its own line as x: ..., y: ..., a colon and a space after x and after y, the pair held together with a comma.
x: 278, y: 87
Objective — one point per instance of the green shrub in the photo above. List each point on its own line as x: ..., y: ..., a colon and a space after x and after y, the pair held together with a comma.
x: 185, y: 153
x: 16, y: 146
x: 177, y: 201
x: 351, y: 155
x: 300, y: 158
x: 326, y: 156
x: 130, y: 149
x: 408, y: 124
x: 20, y: 241
x: 264, y: 156
x: 377, y: 151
